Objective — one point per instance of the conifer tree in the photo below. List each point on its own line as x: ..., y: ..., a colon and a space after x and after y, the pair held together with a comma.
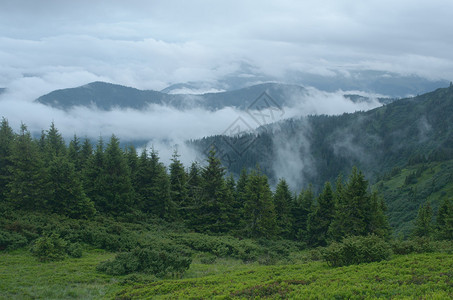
x: 302, y: 207
x: 193, y: 194
x: 424, y: 221
x: 283, y: 204
x: 66, y: 194
x: 215, y: 200
x: 119, y: 192
x: 54, y: 145
x: 6, y: 141
x: 378, y: 223
x: 74, y: 154
x: 178, y: 186
x: 321, y: 217
x: 95, y: 181
x: 444, y: 220
x: 27, y: 188
x: 153, y: 187
x: 259, y: 211
x: 85, y: 153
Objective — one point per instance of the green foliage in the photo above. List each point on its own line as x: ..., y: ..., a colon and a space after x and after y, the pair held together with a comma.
x: 156, y: 262
x: 356, y: 250
x: 424, y: 222
x: 283, y: 201
x: 49, y: 248
x: 321, y: 217
x: 259, y: 210
x: 11, y: 240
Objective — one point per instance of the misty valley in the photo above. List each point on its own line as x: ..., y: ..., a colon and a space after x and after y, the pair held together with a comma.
x: 318, y: 204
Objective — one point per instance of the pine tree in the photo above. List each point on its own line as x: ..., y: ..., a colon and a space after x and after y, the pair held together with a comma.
x: 444, y: 220
x: 6, y: 141
x: 85, y: 153
x: 301, y: 209
x: 119, y: 192
x: 27, y: 188
x: 193, y: 194
x: 378, y: 223
x: 54, y: 145
x: 283, y: 204
x: 66, y: 194
x: 319, y: 220
x: 95, y: 181
x: 424, y: 222
x: 153, y: 187
x: 178, y: 186
x: 259, y: 211
x: 215, y: 200
x: 74, y: 154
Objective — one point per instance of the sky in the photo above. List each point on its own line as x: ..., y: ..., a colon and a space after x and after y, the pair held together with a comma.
x: 53, y: 44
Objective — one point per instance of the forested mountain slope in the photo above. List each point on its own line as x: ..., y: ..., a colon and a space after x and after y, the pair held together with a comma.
x: 315, y: 149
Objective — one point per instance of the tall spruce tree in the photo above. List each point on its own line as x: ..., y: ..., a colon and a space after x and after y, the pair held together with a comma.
x: 95, y: 180
x: 153, y: 187
x: 119, y: 192
x: 283, y: 201
x: 423, y: 224
x: 74, y: 154
x: 27, y: 188
x: 301, y: 209
x: 444, y: 220
x: 259, y: 210
x: 178, y: 186
x: 6, y: 141
x: 215, y: 199
x: 66, y: 194
x: 321, y: 217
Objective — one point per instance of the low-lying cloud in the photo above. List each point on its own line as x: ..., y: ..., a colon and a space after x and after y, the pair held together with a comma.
x: 160, y: 126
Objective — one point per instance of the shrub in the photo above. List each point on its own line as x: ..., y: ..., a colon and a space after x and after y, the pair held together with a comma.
x: 150, y: 261
x: 49, y: 248
x: 11, y: 240
x: 356, y: 250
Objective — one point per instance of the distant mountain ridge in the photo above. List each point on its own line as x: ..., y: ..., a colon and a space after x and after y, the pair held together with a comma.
x: 107, y: 96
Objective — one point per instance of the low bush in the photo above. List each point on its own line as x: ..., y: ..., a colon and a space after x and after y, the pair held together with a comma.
x: 49, y: 248
x: 356, y: 250
x: 146, y: 260
x: 11, y: 240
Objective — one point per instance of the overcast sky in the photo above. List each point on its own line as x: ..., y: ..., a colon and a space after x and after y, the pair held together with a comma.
x: 50, y: 44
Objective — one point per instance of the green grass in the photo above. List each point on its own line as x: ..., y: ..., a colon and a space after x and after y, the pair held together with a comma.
x: 427, y: 276
x: 22, y: 276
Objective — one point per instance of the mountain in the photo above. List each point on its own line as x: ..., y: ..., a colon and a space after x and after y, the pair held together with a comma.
x: 316, y: 149
x: 107, y: 96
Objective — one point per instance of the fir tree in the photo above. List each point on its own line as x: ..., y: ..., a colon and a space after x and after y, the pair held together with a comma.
x: 424, y: 221
x: 259, y: 211
x: 6, y: 141
x: 178, y: 186
x: 119, y: 192
x: 28, y: 187
x: 215, y: 200
x: 153, y: 187
x: 283, y: 204
x: 66, y: 194
x: 319, y: 220
x: 444, y: 220
x: 301, y: 209
x: 74, y: 154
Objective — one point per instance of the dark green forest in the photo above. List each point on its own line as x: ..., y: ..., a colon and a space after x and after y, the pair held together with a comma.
x: 80, y: 181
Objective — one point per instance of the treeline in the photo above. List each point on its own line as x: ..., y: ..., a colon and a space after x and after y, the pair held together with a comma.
x: 78, y: 181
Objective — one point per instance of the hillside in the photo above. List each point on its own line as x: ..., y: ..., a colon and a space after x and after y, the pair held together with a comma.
x: 324, y: 146
x: 406, y: 189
